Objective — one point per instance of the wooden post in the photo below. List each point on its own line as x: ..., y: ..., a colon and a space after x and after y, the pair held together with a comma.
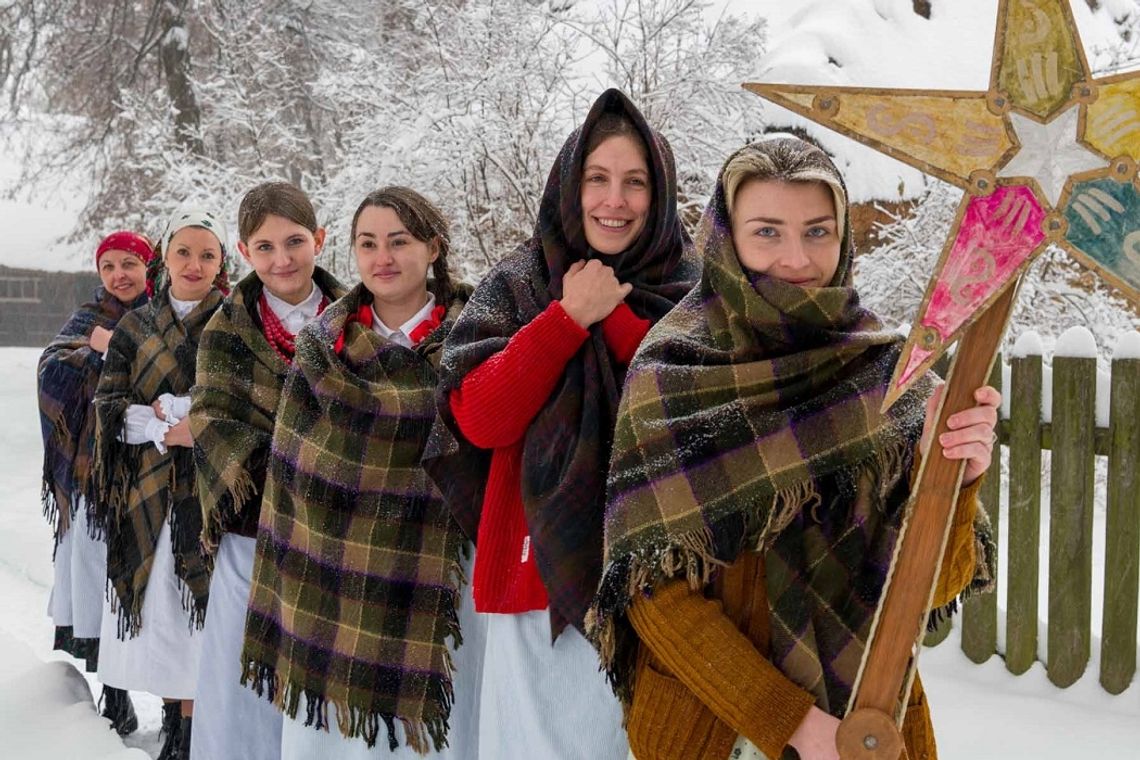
x: 979, y: 614
x: 1024, y: 513
x: 870, y: 730
x: 1122, y: 529
x: 1070, y: 522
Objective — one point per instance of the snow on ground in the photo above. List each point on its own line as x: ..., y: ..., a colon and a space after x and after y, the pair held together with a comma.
x: 45, y: 702
x: 981, y: 712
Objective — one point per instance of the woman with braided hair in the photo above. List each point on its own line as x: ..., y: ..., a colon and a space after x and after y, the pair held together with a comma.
x: 360, y: 625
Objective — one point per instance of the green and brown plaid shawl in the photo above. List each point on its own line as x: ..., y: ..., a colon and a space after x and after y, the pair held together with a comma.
x: 567, y: 445
x: 234, y: 404
x: 751, y: 421
x: 66, y: 378
x: 136, y: 488
x: 357, y: 573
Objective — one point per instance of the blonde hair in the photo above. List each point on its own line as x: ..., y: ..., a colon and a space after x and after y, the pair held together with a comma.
x: 785, y: 158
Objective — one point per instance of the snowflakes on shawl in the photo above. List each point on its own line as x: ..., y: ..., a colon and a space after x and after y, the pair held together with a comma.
x: 1047, y: 155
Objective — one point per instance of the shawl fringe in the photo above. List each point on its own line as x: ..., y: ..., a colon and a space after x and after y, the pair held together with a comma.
x: 240, y: 492
x: 696, y: 556
x: 354, y: 720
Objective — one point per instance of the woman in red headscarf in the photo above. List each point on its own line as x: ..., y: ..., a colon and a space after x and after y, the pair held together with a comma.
x: 67, y: 375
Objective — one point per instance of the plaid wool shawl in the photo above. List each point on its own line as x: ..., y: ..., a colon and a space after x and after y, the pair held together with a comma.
x: 66, y: 378
x: 357, y: 574
x: 136, y: 488
x: 234, y: 404
x: 751, y: 422
x: 566, y: 447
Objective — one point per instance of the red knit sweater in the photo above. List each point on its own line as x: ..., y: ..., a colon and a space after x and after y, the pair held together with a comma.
x: 494, y: 406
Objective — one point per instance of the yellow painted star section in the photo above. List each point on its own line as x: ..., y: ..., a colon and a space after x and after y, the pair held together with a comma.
x: 948, y: 134
x: 1040, y: 58
x: 1113, y: 120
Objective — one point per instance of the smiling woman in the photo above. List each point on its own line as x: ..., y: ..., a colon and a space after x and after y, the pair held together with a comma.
x: 67, y: 376
x: 358, y: 603
x: 245, y: 353
x: 532, y: 373
x: 143, y: 475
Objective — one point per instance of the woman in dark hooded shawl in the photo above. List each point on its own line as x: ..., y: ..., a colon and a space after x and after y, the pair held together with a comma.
x: 532, y: 373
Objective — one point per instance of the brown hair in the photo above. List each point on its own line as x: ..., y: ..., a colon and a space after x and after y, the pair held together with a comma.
x: 614, y: 124
x: 785, y: 158
x: 424, y: 222
x: 277, y: 198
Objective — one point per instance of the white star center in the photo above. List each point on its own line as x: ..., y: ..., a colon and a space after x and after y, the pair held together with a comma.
x: 1050, y: 152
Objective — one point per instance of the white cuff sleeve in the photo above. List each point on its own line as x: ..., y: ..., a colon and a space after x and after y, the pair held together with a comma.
x: 174, y: 408
x: 140, y: 425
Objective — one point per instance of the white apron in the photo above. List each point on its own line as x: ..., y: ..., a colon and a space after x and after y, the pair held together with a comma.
x: 80, y: 579
x: 163, y: 658
x: 230, y: 720
x: 543, y: 700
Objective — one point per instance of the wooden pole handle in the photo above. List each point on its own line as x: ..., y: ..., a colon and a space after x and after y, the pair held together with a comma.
x: 902, y: 619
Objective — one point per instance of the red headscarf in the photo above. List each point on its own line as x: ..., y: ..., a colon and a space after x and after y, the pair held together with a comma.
x: 131, y: 242
x: 123, y: 240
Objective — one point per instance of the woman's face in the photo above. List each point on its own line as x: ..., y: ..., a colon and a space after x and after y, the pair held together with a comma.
x: 787, y: 230
x: 283, y: 253
x: 193, y: 261
x: 393, y: 264
x: 123, y: 274
x: 616, y: 194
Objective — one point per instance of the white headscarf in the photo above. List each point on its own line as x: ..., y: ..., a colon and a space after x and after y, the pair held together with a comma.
x: 195, y: 217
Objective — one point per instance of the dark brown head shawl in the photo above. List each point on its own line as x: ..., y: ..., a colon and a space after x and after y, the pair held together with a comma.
x: 567, y: 447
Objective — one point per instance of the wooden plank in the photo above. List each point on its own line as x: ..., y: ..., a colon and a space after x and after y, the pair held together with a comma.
x: 1122, y: 531
x: 1102, y: 437
x: 906, y: 599
x: 1070, y: 522
x: 936, y: 636
x: 979, y: 615
x: 1024, y: 513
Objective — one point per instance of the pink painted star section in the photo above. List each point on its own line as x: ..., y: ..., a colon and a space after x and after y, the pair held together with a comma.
x: 998, y: 235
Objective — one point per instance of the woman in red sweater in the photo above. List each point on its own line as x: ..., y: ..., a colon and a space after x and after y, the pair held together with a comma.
x: 532, y: 374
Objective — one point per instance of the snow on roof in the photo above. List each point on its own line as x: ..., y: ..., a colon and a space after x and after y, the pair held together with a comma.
x: 884, y: 43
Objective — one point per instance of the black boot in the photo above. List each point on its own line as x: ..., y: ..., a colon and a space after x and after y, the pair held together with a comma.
x: 117, y: 708
x: 184, y: 747
x: 172, y: 730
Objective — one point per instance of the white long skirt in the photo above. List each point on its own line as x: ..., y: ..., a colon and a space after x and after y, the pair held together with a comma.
x: 163, y: 658
x: 80, y: 579
x: 301, y: 742
x: 546, y: 701
x: 230, y: 720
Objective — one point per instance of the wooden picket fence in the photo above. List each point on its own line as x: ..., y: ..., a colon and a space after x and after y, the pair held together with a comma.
x: 1074, y: 440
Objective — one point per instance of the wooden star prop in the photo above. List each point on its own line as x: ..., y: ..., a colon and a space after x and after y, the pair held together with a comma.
x: 1048, y: 155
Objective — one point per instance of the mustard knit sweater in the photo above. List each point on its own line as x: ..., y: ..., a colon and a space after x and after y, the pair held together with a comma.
x: 703, y: 676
